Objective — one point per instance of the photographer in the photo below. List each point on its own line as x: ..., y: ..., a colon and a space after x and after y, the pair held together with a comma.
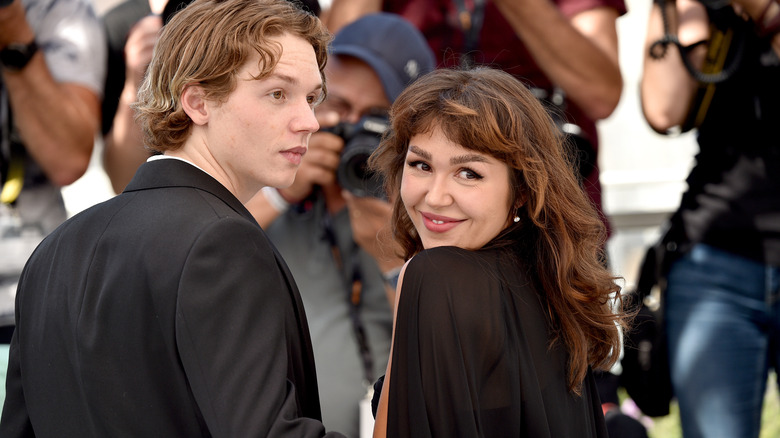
x: 565, y: 50
x: 713, y: 66
x: 338, y: 244
x: 52, y: 61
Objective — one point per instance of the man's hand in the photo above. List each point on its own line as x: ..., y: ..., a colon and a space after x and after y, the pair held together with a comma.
x: 13, y: 25
x: 123, y: 148
x: 577, y: 53
x: 320, y: 163
x: 139, y: 48
x: 370, y: 219
x: 57, y: 121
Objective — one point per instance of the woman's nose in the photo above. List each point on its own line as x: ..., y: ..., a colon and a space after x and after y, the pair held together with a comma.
x: 438, y: 194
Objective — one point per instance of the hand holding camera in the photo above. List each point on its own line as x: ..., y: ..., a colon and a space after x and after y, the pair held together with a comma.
x: 370, y: 212
x: 139, y: 48
x: 370, y: 219
x: 360, y: 140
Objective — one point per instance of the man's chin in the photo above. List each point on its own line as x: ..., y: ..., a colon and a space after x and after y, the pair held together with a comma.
x: 284, y: 184
x: 282, y: 181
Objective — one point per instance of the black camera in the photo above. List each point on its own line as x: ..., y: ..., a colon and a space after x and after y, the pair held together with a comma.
x: 714, y: 5
x: 360, y: 140
x: 578, y: 141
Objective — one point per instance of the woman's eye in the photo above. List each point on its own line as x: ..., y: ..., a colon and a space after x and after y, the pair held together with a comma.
x: 419, y: 165
x: 469, y: 174
x: 278, y: 94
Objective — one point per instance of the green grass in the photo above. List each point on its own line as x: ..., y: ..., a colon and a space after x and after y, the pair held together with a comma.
x: 669, y: 426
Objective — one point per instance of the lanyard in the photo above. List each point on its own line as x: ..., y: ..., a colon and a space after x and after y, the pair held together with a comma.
x: 354, y: 289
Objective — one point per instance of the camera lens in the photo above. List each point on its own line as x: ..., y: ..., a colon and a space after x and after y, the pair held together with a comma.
x: 353, y: 172
x: 361, y: 140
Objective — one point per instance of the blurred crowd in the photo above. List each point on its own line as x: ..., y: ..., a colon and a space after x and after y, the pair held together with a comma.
x: 70, y: 76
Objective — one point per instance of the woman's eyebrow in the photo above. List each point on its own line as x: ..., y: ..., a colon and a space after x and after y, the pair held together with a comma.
x: 460, y: 159
x: 468, y: 158
x: 420, y: 152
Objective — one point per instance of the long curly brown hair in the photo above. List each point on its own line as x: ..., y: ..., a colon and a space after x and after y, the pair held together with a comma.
x: 491, y: 112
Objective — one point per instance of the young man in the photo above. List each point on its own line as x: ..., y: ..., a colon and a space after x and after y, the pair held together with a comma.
x: 166, y: 311
x: 132, y: 28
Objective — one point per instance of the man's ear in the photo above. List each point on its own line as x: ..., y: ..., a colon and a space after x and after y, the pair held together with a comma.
x: 194, y: 104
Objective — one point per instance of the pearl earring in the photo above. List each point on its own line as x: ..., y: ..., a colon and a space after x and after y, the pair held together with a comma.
x: 517, y: 219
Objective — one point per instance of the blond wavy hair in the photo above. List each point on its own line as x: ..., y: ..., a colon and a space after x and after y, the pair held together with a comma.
x: 206, y: 43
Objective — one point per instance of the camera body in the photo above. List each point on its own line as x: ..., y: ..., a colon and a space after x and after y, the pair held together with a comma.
x: 714, y: 5
x: 555, y: 104
x: 360, y: 140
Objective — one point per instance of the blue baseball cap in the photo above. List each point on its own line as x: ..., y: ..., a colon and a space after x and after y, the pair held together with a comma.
x: 392, y: 46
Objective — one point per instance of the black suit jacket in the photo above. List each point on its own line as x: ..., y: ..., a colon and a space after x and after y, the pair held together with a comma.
x: 162, y: 312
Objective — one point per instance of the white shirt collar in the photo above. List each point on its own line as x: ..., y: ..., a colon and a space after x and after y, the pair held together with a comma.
x: 165, y: 157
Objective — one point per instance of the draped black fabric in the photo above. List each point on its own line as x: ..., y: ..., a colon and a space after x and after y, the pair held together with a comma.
x: 472, y: 355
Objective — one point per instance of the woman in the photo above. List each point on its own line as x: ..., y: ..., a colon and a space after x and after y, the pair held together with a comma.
x: 505, y: 303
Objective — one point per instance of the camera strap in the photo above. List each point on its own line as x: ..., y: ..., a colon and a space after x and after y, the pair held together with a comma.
x: 722, y: 38
x: 353, y: 281
x: 717, y: 52
x: 11, y: 157
x: 725, y: 50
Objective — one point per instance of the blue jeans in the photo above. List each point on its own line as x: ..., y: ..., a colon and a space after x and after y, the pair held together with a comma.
x: 723, y: 323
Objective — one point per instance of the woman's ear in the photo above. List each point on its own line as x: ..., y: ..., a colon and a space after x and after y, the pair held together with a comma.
x: 521, y: 200
x: 194, y: 104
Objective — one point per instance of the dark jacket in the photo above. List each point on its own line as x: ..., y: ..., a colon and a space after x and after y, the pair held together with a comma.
x: 164, y: 311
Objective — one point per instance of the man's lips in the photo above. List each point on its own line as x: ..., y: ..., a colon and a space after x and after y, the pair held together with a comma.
x: 439, y: 224
x: 294, y: 155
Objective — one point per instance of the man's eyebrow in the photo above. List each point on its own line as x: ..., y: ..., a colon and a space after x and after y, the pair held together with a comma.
x: 292, y: 80
x: 284, y: 77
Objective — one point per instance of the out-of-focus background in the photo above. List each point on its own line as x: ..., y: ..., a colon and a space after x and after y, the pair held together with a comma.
x: 642, y: 172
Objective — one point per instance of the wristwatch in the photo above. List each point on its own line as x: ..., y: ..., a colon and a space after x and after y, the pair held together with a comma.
x: 15, y: 56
